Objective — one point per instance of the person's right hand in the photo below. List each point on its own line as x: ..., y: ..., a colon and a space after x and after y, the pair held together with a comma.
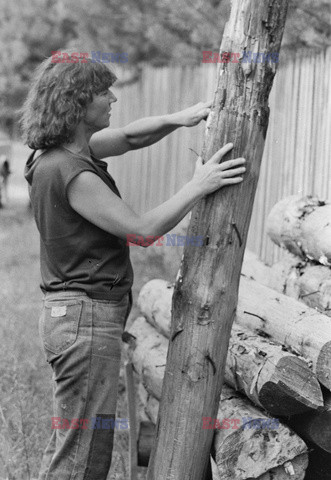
x: 212, y: 175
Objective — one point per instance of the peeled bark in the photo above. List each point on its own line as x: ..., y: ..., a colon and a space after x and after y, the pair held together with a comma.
x: 288, y: 322
x: 274, y: 379
x: 294, y: 469
x: 293, y: 277
x: 278, y: 381
x: 205, y: 297
x: 302, y: 226
x: 281, y: 276
x: 148, y: 355
x: 154, y: 301
x: 248, y: 451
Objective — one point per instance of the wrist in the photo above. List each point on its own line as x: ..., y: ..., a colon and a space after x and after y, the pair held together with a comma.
x: 195, y: 189
x: 175, y: 119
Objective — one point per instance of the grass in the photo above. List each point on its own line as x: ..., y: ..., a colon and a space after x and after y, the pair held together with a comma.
x: 25, y: 376
x: 25, y: 385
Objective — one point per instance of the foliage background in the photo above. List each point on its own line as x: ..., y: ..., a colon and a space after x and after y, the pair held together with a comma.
x: 157, y: 32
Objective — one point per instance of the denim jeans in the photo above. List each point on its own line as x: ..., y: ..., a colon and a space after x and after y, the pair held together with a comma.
x: 82, y: 341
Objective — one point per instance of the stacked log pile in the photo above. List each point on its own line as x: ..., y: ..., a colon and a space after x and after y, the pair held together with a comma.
x: 279, y: 356
x: 249, y: 443
x: 242, y: 449
x: 274, y: 453
x: 294, y: 277
x: 302, y: 226
x: 277, y: 380
x: 290, y: 323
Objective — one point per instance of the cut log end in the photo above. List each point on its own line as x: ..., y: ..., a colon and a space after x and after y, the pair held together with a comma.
x: 323, y: 367
x: 294, y: 389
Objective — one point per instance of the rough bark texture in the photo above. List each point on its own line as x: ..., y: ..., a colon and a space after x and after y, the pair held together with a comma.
x: 205, y: 297
x: 302, y: 226
x: 293, y: 277
x: 272, y: 378
x: 282, y: 319
x: 245, y: 452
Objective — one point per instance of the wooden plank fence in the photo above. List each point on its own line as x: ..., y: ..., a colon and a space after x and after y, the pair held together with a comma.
x: 297, y: 156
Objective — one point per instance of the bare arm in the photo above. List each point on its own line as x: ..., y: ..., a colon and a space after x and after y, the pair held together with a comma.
x: 92, y: 199
x: 145, y: 131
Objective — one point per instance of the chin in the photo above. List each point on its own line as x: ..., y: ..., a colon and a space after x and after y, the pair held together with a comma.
x: 101, y: 127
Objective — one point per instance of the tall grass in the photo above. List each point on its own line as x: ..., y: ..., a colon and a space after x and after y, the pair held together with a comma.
x: 25, y: 390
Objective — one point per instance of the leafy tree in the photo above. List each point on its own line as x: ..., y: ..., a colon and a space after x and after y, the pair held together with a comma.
x: 157, y: 32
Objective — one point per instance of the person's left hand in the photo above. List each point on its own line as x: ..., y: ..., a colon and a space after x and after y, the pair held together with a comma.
x: 193, y: 115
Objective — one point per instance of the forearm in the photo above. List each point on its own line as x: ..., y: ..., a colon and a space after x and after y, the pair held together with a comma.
x: 166, y: 216
x: 145, y: 131
x: 149, y: 130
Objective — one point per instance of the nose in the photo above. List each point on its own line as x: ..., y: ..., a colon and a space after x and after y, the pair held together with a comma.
x: 112, y: 97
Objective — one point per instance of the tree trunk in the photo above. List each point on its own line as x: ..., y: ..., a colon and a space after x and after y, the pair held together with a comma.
x: 205, y: 297
x: 282, y: 276
x: 293, y: 277
x: 286, y: 321
x: 149, y: 355
x: 302, y: 226
x: 272, y: 378
x: 249, y: 452
x: 275, y: 380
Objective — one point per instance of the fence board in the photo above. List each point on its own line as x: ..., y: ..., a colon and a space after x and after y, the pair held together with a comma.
x: 297, y: 151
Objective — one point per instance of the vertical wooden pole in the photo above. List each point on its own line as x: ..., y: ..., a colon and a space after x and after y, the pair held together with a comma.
x: 205, y: 297
x: 133, y: 451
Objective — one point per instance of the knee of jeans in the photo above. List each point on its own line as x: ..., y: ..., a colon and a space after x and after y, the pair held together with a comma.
x: 101, y: 447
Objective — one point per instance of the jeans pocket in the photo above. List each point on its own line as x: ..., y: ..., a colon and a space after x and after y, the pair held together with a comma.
x: 59, y: 323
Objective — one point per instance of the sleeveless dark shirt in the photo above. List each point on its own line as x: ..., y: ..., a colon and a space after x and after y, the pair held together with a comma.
x: 74, y: 253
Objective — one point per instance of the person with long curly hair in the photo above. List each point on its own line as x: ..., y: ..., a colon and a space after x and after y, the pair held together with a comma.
x: 85, y: 263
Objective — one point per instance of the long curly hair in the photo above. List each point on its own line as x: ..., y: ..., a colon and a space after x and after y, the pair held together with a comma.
x: 58, y: 98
